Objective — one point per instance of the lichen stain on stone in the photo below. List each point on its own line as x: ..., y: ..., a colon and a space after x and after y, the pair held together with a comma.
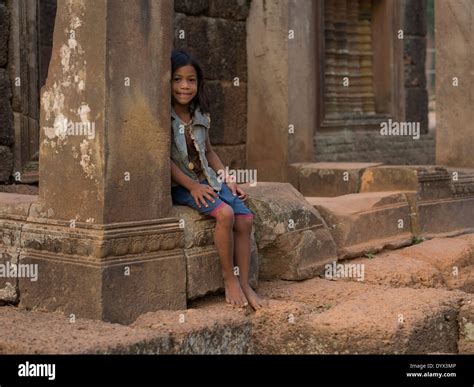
x: 86, y: 163
x: 83, y: 113
x: 53, y: 99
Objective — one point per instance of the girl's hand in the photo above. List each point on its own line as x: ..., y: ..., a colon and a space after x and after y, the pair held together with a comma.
x: 201, y: 192
x: 237, y: 190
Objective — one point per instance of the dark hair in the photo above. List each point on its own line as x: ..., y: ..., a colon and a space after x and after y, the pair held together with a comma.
x: 180, y: 58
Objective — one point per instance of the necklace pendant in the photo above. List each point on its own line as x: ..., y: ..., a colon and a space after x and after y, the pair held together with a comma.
x: 191, y: 165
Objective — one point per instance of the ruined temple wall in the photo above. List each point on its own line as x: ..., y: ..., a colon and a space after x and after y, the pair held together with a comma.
x: 368, y: 145
x: 215, y: 32
x: 6, y: 114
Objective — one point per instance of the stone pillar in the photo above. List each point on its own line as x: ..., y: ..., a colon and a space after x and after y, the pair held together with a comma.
x: 102, y: 234
x: 281, y: 82
x: 454, y: 82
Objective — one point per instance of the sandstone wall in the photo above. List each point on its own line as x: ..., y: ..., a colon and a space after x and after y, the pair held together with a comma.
x: 215, y: 32
x: 369, y: 145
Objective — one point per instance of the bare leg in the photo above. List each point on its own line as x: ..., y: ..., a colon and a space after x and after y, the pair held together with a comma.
x: 224, y: 242
x: 242, y: 251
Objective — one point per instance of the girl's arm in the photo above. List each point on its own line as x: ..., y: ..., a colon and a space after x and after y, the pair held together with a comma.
x: 179, y: 177
x: 199, y: 192
x: 212, y: 158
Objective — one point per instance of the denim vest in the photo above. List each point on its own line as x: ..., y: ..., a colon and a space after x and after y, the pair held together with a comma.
x: 179, y: 151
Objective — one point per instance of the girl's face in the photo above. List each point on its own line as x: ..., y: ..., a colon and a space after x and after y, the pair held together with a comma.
x: 184, y: 85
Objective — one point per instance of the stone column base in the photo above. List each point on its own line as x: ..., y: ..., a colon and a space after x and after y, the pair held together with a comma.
x: 112, y: 272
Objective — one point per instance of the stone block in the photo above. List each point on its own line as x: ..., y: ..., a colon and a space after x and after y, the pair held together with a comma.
x: 232, y: 155
x: 466, y: 328
x: 4, y: 33
x: 415, y: 18
x: 204, y: 273
x: 396, y: 321
x: 6, y: 113
x: 228, y: 113
x: 293, y: 240
x: 6, y: 163
x: 338, y: 317
x: 414, y: 58
x: 192, y: 7
x: 416, y: 110
x: 229, y: 9
x: 454, y: 113
x: 445, y: 254
x: 114, y: 275
x: 446, y: 217
x: 366, y: 222
x: 329, y: 179
x: 228, y: 58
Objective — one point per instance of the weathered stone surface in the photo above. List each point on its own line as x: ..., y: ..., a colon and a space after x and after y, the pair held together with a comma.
x: 8, y: 291
x: 22, y: 189
x: 204, y: 273
x: 214, y: 329
x: 389, y: 178
x: 395, y: 270
x: 445, y: 254
x: 54, y: 333
x: 454, y: 113
x: 108, y: 185
x: 207, y: 331
x: 414, y: 61
x: 462, y: 280
x: 4, y: 33
x: 6, y: 163
x: 446, y: 217
x: 293, y: 241
x: 101, y: 234
x: 434, y: 182
x: 320, y: 294
x: 386, y: 321
x: 321, y: 317
x: 6, y: 113
x: 368, y: 222
x: 329, y: 179
x: 228, y: 113
x: 15, y: 206
x: 231, y: 155
x: 416, y: 110
x: 268, y: 148
x: 466, y: 328
x: 191, y: 7
x: 310, y: 317
x: 447, y: 263
x: 229, y: 9
x: 227, y: 59
x: 415, y: 18
x: 9, y: 253
x: 369, y: 146
x: 114, y: 275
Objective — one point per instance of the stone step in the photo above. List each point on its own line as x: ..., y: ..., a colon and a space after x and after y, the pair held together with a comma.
x: 328, y: 178
x: 304, y: 317
x: 367, y: 222
x: 338, y: 317
x: 437, y: 263
x: 165, y: 332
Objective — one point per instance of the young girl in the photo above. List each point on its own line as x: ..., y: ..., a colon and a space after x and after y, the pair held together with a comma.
x: 195, y: 183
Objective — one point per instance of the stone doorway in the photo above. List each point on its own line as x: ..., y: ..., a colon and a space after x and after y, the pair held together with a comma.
x: 31, y: 39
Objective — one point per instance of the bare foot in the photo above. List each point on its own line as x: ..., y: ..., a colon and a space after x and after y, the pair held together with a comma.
x: 234, y: 294
x: 253, y: 298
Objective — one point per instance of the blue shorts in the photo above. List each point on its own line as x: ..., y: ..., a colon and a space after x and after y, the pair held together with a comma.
x: 182, y: 196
